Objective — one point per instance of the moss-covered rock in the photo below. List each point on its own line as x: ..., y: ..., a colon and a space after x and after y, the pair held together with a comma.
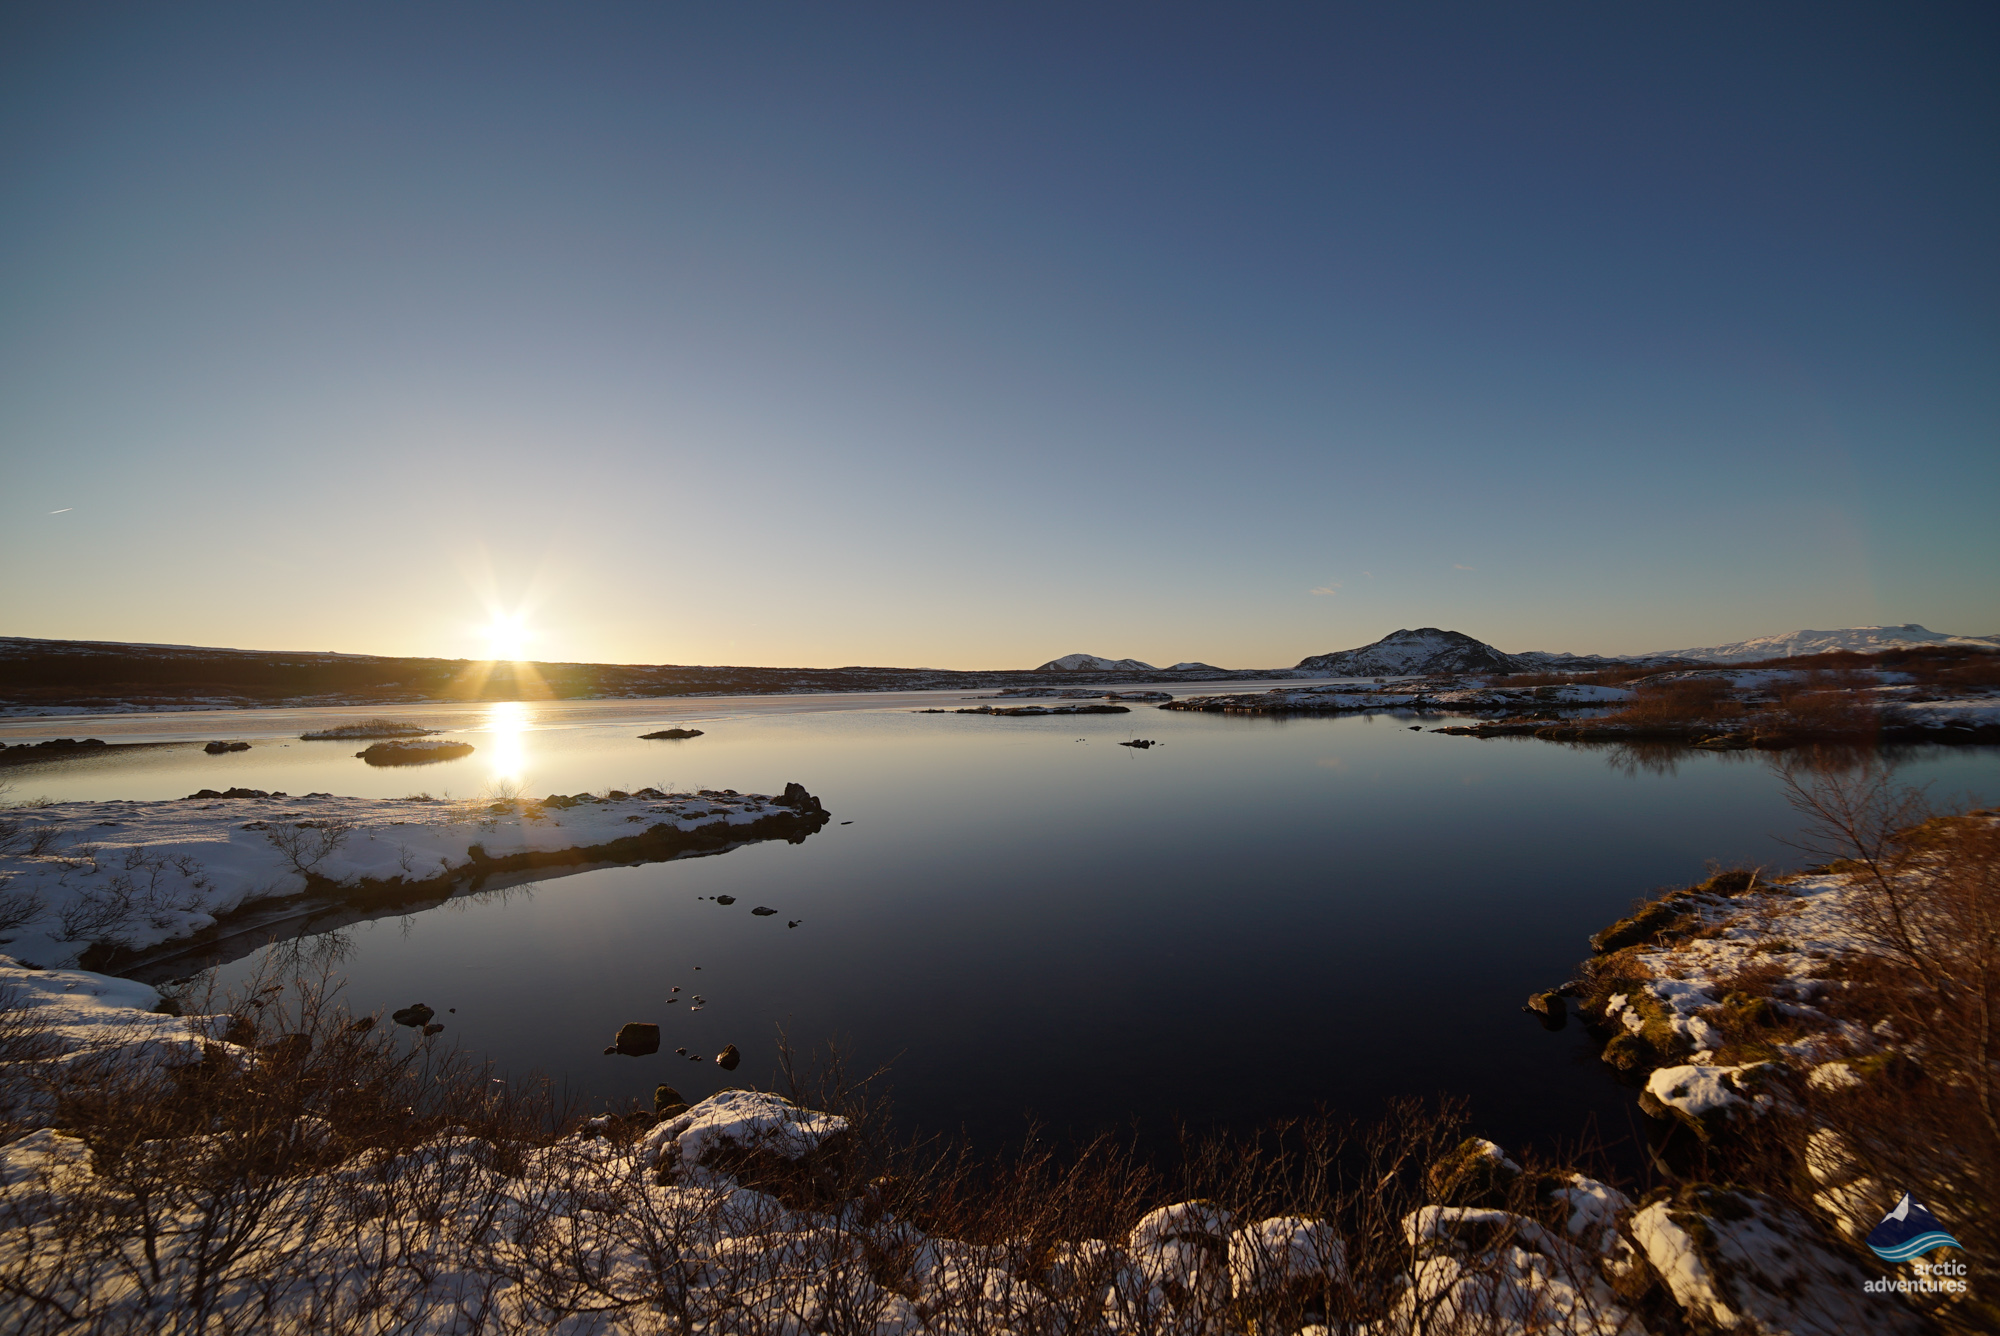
x: 1476, y: 1172
x: 1673, y: 912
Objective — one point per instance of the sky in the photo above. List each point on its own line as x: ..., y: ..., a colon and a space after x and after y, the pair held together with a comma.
x: 968, y: 336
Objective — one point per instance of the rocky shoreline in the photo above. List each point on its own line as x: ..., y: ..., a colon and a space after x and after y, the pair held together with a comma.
x: 1714, y: 709
x: 111, y: 885
x: 1781, y: 1034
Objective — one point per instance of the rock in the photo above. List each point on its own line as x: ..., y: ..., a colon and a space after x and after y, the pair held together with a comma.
x: 761, y: 912
x: 765, y: 1142
x: 413, y: 1016
x: 1140, y: 743
x: 670, y: 733
x: 728, y: 1058
x: 667, y: 1101
x: 792, y: 923
x: 1551, y: 1008
x: 796, y: 798
x: 435, y: 1027
x: 1739, y: 1261
x: 420, y: 751
x: 217, y: 748
x: 636, y: 1039
x: 1474, y: 1173
x: 725, y: 899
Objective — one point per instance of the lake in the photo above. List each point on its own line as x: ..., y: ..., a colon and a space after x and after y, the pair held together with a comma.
x: 1028, y: 921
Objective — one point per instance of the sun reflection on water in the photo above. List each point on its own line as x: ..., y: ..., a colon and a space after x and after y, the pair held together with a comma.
x: 506, y: 751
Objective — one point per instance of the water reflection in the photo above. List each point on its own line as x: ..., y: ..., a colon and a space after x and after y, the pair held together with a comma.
x: 506, y: 751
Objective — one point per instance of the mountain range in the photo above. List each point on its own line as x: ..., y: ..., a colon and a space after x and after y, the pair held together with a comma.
x: 1428, y: 649
x: 1863, y: 638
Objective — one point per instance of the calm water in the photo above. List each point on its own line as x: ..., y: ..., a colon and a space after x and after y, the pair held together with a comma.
x: 1031, y: 921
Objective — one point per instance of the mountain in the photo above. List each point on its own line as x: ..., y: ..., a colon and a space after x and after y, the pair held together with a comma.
x: 1090, y: 663
x: 1863, y: 638
x: 1194, y: 668
x: 1424, y: 650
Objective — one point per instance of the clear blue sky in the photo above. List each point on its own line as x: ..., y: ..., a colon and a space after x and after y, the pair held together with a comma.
x: 971, y: 335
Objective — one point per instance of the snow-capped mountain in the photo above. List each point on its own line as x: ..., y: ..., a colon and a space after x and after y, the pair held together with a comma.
x: 1091, y: 663
x: 1194, y: 668
x: 1863, y: 638
x: 1424, y: 650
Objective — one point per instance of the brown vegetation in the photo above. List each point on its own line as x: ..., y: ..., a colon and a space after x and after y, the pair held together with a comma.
x: 332, y: 1174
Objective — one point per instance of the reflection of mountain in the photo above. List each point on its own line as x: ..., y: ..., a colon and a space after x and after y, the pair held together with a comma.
x: 1908, y: 1231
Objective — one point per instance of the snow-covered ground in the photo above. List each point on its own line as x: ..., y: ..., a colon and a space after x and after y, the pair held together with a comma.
x: 1405, y: 694
x: 137, y: 874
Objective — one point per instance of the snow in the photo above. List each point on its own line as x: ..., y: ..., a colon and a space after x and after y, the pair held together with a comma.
x: 1498, y: 1272
x: 1425, y: 650
x: 1978, y: 712
x: 446, y: 1226
x: 1865, y: 639
x: 1091, y: 663
x: 138, y: 874
x: 1700, y: 1090
x: 740, y: 1120
x: 1766, y: 1271
x: 1450, y: 695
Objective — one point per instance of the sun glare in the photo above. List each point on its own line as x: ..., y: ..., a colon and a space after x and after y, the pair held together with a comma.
x: 506, y: 640
x: 506, y: 754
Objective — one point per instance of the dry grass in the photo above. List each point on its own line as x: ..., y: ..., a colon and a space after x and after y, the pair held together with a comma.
x: 1684, y: 701
x: 349, y: 1176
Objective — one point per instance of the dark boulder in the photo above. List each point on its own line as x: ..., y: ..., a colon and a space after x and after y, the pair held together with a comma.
x: 728, y: 1058
x: 413, y: 1016
x: 1550, y: 1008
x: 796, y: 798
x: 667, y: 1101
x: 761, y: 912
x: 217, y: 748
x: 636, y: 1039
x: 670, y: 733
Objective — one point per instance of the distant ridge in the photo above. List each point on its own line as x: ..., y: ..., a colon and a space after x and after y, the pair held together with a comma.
x: 1091, y: 663
x: 1401, y: 653
x: 1865, y: 639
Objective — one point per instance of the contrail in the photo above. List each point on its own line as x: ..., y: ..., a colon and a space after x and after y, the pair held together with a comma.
x: 64, y: 511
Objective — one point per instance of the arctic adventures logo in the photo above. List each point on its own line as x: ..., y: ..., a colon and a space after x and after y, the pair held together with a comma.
x: 1905, y: 1234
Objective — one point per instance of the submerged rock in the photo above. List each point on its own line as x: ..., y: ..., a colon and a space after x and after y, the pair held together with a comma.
x: 762, y: 912
x: 413, y: 1016
x: 1551, y: 1008
x: 636, y: 1039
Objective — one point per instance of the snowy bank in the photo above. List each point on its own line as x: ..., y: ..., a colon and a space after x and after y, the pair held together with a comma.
x: 128, y: 876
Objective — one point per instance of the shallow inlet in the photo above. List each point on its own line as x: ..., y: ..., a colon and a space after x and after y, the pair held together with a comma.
x: 1029, y: 921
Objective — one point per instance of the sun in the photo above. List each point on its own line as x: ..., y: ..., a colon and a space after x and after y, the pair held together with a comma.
x: 506, y: 639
